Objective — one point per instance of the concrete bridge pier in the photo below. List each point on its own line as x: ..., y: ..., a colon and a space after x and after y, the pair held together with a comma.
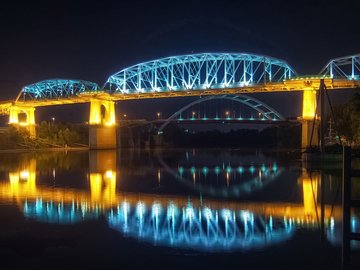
x: 102, y: 166
x: 28, y: 123
x: 102, y: 124
x: 309, y: 128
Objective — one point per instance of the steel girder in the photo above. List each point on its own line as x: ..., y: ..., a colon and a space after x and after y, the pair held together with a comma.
x: 55, y: 88
x: 347, y: 67
x: 198, y: 72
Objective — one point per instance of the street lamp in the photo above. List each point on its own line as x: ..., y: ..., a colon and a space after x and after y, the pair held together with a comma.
x: 158, y: 115
x: 259, y: 115
x: 125, y: 115
x: 227, y: 114
x: 53, y: 120
x: 193, y: 114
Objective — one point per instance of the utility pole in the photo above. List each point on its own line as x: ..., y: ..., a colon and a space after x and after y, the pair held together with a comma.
x: 322, y: 116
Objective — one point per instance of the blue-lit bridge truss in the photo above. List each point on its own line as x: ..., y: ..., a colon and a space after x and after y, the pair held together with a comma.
x: 190, y: 73
x: 266, y: 112
x: 198, y: 72
x: 55, y: 89
x: 343, y: 68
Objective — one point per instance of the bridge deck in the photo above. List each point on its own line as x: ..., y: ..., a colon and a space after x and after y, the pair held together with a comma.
x: 285, y: 86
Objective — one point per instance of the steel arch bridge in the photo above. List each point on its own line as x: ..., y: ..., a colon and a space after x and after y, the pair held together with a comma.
x: 185, y: 75
x: 198, y: 72
x: 266, y: 111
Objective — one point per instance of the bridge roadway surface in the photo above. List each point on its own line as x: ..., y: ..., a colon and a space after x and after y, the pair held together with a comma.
x: 296, y: 84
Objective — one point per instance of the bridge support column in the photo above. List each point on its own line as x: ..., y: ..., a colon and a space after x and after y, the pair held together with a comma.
x: 102, y: 125
x: 28, y: 124
x: 309, y: 130
x: 310, y: 183
x: 102, y: 166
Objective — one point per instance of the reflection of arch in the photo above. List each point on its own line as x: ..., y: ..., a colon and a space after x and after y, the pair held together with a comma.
x: 199, y: 227
x: 266, y: 111
x: 239, y: 190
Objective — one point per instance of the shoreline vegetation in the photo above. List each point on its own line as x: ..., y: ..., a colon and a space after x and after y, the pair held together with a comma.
x: 67, y: 137
x: 62, y: 136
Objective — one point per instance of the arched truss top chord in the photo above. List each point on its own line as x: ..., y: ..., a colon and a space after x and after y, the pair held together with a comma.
x: 55, y: 88
x: 198, y: 72
x: 266, y: 111
x: 347, y: 67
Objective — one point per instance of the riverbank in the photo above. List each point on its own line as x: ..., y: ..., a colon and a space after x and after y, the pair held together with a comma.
x: 52, y: 149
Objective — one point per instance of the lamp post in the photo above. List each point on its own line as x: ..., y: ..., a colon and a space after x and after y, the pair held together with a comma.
x: 227, y: 114
x: 193, y: 114
x: 53, y: 120
x: 158, y: 115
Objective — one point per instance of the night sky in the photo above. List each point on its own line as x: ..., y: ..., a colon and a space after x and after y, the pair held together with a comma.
x: 92, y: 39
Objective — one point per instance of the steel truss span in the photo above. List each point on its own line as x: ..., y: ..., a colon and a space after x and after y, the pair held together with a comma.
x: 347, y: 67
x: 199, y: 72
x: 266, y: 111
x: 55, y: 89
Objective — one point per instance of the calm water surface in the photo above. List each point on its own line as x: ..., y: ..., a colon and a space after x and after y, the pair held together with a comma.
x: 173, y: 209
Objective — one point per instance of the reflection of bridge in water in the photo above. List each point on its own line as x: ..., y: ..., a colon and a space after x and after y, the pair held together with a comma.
x: 170, y: 220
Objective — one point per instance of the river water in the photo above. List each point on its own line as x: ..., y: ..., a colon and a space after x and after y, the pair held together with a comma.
x: 173, y: 209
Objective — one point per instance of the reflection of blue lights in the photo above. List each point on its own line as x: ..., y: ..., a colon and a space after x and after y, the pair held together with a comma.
x: 334, y: 231
x: 226, y: 213
x: 207, y: 213
x: 229, y: 169
x: 274, y: 167
x: 189, y: 213
x: 156, y: 210
x: 61, y: 213
x: 204, y: 228
x: 263, y: 168
x: 205, y: 170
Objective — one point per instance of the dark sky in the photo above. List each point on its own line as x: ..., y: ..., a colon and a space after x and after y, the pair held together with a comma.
x: 93, y: 39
